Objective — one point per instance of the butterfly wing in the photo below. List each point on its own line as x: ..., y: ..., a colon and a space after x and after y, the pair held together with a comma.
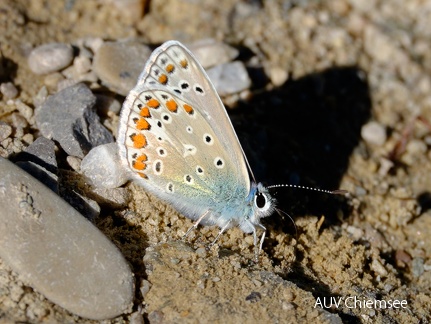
x: 177, y: 138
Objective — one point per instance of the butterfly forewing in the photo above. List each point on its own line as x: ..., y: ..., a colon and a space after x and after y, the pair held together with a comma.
x: 177, y: 139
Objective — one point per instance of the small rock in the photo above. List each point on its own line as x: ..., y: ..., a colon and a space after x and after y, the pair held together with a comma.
x: 210, y: 52
x: 418, y: 267
x: 115, y: 198
x: 8, y: 90
x: 74, y: 162
x: 229, y: 78
x: 81, y: 64
x: 52, y: 80
x: 39, y: 160
x: 402, y: 258
x: 278, y: 76
x: 378, y: 268
x: 49, y: 58
x: 119, y: 64
x: 25, y: 111
x: 355, y: 232
x: 69, y: 117
x: 40, y: 97
x: 374, y: 133
x: 102, y: 167
x: 145, y: 287
x: 58, y: 252
x: 137, y: 318
x: 93, y: 43
x: 5, y: 131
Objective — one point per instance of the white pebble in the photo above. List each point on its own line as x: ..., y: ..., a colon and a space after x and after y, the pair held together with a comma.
x: 8, y: 90
x: 50, y: 57
x: 101, y: 166
x: 373, y: 133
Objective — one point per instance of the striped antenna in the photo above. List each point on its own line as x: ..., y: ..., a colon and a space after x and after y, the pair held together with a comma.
x: 332, y: 192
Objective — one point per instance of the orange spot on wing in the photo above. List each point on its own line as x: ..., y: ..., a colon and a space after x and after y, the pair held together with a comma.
x: 163, y: 79
x: 171, y: 105
x: 153, y: 103
x: 142, y: 158
x: 188, y: 109
x: 170, y: 68
x: 145, y: 112
x: 142, y: 124
x: 139, y: 140
x: 142, y: 175
x: 184, y: 64
x: 139, y: 164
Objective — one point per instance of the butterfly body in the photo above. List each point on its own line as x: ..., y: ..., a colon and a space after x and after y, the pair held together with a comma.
x: 177, y: 140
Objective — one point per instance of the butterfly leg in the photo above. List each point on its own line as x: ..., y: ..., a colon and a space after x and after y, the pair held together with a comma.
x: 195, y: 225
x: 256, y: 248
x: 219, y: 234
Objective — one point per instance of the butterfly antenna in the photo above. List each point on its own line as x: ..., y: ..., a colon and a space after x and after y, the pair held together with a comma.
x: 281, y: 213
x: 332, y: 192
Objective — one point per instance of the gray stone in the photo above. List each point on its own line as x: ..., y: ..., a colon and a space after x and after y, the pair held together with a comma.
x: 69, y: 117
x: 210, y: 52
x: 39, y: 160
x: 119, y: 64
x: 50, y: 57
x: 58, y: 252
x: 229, y: 78
x: 103, y: 168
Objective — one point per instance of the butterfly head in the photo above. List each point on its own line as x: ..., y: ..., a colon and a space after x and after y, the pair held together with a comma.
x: 262, y: 203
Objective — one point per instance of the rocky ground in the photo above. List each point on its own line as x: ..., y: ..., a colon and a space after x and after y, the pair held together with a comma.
x: 340, y: 97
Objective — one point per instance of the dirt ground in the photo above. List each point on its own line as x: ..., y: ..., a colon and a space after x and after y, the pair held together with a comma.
x: 321, y: 70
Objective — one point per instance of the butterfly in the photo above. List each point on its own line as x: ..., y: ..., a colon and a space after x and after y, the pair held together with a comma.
x: 178, y: 142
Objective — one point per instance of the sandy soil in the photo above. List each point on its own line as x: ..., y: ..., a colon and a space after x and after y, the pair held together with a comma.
x: 334, y: 66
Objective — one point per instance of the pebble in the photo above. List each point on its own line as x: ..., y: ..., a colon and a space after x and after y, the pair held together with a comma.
x: 74, y: 162
x: 50, y: 57
x: 210, y: 52
x: 69, y: 117
x: 115, y: 198
x: 53, y: 79
x: 102, y: 167
x: 58, y: 252
x: 25, y: 111
x: 5, y: 131
x: 40, y: 97
x: 119, y: 64
x: 39, y: 160
x: 374, y: 133
x: 418, y: 267
x: 229, y: 78
x: 378, y: 268
x: 278, y: 76
x: 8, y: 90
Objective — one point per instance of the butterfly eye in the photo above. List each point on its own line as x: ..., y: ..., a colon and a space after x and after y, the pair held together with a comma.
x: 260, y: 200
